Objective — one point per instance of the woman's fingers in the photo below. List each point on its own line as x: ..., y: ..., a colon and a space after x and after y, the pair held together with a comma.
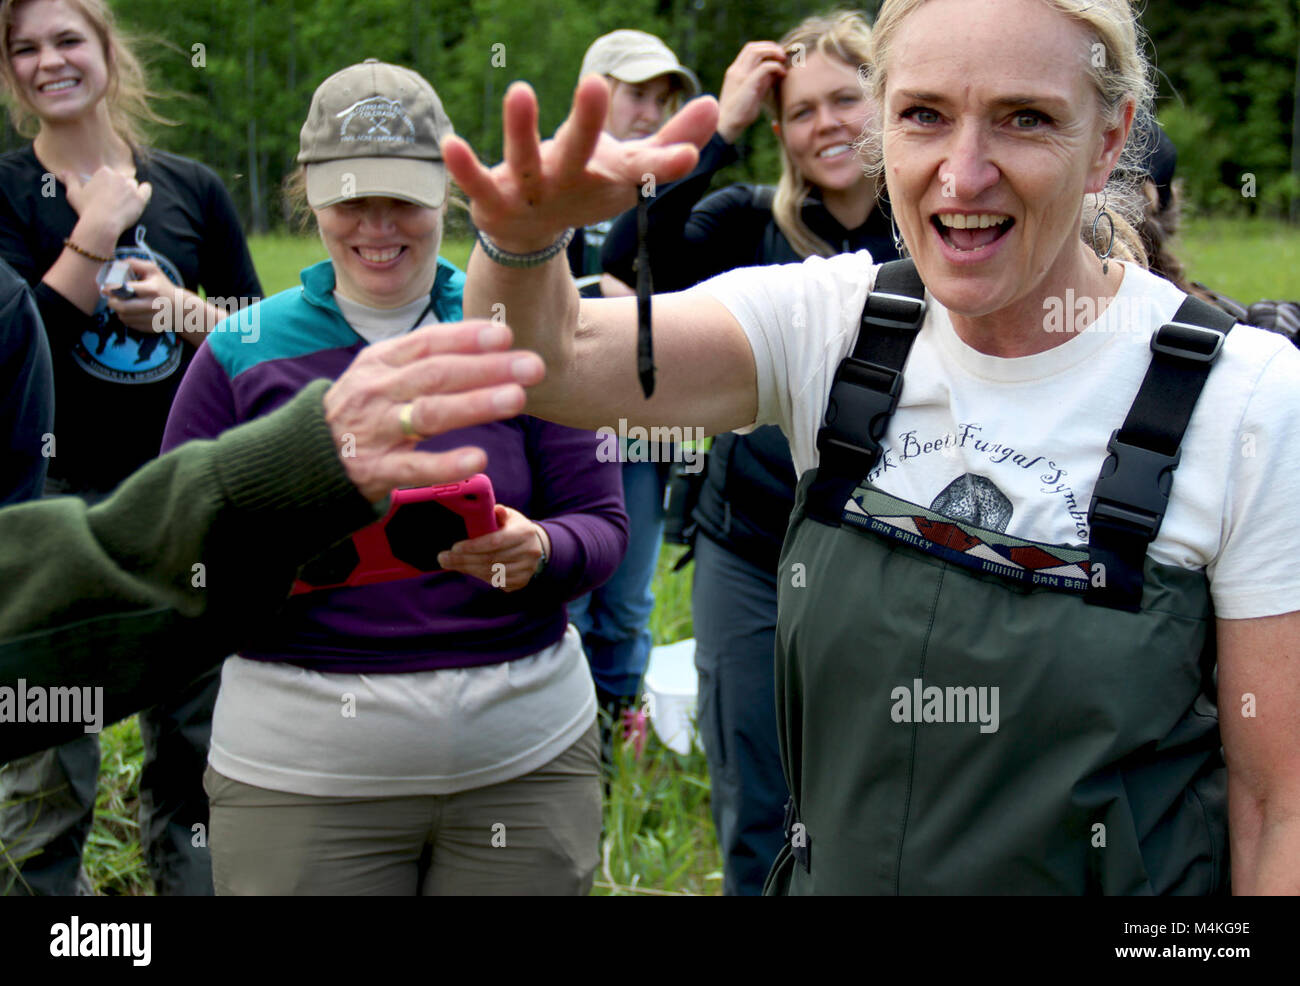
x: 474, y: 336
x: 436, y: 414
x: 523, y: 156
x: 507, y: 544
x: 455, y: 372
x: 469, y: 173
x: 692, y: 125
x: 411, y: 468
x: 576, y: 140
x: 142, y: 268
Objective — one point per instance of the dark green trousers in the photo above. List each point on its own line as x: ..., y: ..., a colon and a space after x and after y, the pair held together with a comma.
x: 948, y: 730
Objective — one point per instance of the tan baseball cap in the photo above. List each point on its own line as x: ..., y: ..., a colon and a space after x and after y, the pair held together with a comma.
x: 375, y: 129
x: 634, y: 56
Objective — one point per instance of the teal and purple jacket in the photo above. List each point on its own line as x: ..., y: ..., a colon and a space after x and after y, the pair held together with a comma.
x: 261, y: 357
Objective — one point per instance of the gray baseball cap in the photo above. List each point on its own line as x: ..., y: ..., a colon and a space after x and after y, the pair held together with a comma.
x: 375, y: 129
x: 634, y: 56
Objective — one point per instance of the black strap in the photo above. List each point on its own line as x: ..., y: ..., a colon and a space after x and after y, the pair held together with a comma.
x: 796, y: 836
x: 866, y: 388
x: 645, y: 354
x: 1132, y: 491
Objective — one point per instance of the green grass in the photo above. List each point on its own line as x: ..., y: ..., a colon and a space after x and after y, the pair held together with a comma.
x: 659, y: 836
x: 280, y: 257
x: 113, y: 858
x: 1244, y: 259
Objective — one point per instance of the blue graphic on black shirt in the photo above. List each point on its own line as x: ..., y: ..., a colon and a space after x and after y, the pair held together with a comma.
x: 111, y: 351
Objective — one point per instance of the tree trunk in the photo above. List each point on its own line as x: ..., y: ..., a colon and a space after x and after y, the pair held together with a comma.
x: 256, y: 207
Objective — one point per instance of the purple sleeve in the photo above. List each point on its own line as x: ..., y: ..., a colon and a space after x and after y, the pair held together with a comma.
x: 579, y: 500
x: 204, y: 405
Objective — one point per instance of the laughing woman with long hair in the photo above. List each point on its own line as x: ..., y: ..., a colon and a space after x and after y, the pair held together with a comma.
x: 87, y: 206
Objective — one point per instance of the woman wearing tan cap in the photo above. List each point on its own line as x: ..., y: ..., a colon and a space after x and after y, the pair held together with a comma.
x: 647, y: 84
x: 429, y: 734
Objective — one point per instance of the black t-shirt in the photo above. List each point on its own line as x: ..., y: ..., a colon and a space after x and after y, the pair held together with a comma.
x: 114, y: 386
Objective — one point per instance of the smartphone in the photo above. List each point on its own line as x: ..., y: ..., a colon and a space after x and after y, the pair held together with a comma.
x: 405, y: 542
x: 117, y: 272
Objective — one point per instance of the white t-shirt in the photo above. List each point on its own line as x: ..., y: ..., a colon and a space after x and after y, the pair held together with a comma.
x: 285, y: 728
x: 1031, y: 432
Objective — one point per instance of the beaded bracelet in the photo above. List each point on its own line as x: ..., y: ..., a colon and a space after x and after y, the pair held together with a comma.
x: 523, y: 261
x: 67, y: 242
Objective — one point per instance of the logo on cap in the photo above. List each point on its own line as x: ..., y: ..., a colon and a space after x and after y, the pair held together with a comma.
x: 376, y: 119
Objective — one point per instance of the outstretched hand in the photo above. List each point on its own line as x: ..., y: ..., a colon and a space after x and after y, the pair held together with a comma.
x: 580, y: 176
x: 453, y: 375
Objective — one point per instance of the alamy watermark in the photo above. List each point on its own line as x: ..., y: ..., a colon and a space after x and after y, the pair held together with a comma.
x: 654, y: 444
x: 40, y: 704
x: 101, y: 940
x: 929, y: 703
x: 1077, y: 313
x: 190, y: 314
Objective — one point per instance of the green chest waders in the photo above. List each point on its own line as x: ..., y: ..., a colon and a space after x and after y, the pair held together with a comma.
x: 962, y: 712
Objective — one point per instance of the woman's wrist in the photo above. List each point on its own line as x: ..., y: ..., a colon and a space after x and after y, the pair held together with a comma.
x: 92, y: 237
x: 731, y: 132
x: 523, y: 254
x: 544, y: 540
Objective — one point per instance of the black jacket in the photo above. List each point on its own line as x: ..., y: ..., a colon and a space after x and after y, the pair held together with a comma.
x: 26, y: 391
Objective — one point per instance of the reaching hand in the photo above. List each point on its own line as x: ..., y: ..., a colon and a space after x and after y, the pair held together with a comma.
x: 453, y: 375
x: 756, y: 69
x: 581, y: 176
x: 110, y: 200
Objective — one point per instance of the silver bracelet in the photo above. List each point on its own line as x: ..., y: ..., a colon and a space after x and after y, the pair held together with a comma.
x: 523, y: 261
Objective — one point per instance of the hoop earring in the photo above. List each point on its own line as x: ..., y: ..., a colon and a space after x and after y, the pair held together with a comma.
x: 899, y: 245
x: 1110, y: 242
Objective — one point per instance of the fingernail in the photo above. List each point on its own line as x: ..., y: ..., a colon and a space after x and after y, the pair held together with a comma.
x: 524, y: 367
x: 505, y: 400
x: 468, y: 462
x: 492, y: 336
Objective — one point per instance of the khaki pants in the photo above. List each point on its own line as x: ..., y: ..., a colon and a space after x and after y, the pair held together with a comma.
x: 536, y: 834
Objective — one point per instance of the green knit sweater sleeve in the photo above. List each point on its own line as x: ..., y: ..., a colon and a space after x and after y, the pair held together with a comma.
x: 192, y: 554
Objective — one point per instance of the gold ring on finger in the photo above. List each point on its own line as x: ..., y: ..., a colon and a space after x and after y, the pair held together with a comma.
x: 408, y: 427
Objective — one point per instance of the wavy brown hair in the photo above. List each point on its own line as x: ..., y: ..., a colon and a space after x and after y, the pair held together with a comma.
x: 846, y: 37
x: 128, y: 93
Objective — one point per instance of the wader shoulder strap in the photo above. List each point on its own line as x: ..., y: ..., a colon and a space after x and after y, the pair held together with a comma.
x: 866, y: 388
x: 1132, y: 491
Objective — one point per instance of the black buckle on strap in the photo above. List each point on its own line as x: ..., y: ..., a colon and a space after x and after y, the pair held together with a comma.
x: 1190, y: 342
x: 893, y: 311
x: 863, y: 398
x: 796, y: 836
x: 1132, y: 491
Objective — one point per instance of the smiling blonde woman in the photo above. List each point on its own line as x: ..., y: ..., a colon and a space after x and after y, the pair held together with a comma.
x: 811, y: 86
